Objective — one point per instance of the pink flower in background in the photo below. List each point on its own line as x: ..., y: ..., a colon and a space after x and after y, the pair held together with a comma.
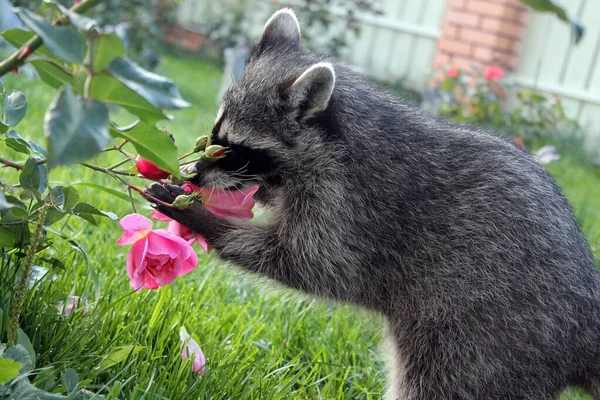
x: 182, y: 231
x: 452, y: 72
x: 190, y: 349
x: 73, y: 303
x: 156, y: 257
x: 494, y: 72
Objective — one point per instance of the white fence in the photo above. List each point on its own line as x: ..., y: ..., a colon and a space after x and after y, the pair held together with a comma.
x: 400, y: 45
x: 551, y: 63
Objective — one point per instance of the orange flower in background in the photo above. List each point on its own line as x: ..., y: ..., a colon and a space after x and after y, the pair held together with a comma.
x: 519, y: 142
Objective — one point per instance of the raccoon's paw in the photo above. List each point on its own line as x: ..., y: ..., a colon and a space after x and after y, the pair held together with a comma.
x: 168, y: 194
x: 163, y: 193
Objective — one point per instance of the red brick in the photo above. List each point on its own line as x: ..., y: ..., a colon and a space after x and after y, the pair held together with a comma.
x: 516, y: 17
x: 457, y: 4
x: 478, y: 36
x: 484, y: 54
x: 462, y: 18
x: 486, y: 8
x: 450, y: 31
x: 441, y: 60
x: 455, y: 47
x: 464, y: 64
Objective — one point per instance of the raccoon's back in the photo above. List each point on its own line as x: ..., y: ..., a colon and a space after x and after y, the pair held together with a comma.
x: 455, y: 200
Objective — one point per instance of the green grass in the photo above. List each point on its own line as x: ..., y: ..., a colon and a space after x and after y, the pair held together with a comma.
x: 262, y: 342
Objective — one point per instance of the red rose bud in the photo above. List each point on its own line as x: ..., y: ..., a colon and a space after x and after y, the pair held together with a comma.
x: 201, y: 143
x: 150, y: 171
x: 214, y: 152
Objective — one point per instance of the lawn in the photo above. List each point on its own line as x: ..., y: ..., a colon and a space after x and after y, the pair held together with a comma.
x: 261, y: 342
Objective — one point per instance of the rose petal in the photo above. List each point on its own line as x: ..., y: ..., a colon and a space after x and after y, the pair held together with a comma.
x: 190, y: 349
x: 158, y: 216
x: 136, y: 227
x: 161, y: 241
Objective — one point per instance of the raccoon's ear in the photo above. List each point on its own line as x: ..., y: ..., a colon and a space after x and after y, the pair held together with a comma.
x: 283, y: 26
x: 312, y: 91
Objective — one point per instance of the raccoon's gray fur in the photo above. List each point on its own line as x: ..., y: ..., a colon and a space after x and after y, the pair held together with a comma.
x: 459, y: 238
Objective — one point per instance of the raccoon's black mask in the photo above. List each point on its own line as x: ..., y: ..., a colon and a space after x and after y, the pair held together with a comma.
x: 269, y: 115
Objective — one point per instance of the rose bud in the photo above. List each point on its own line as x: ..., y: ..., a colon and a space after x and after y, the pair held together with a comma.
x: 213, y: 152
x: 150, y: 170
x: 201, y: 143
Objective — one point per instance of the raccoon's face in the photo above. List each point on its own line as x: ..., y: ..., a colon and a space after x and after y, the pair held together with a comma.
x: 267, y: 116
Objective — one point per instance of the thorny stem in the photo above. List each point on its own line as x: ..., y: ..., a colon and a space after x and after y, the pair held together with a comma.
x: 21, y: 291
x: 17, y: 59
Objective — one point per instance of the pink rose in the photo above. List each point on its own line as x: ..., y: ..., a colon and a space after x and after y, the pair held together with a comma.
x: 494, y: 73
x: 190, y: 349
x: 156, y: 257
x: 452, y: 72
x: 222, y: 203
x: 182, y: 231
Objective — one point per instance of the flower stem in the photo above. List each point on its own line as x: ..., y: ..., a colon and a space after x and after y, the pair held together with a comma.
x: 21, y: 291
x: 186, y: 155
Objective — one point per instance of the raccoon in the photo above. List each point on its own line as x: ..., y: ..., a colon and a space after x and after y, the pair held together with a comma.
x: 459, y: 238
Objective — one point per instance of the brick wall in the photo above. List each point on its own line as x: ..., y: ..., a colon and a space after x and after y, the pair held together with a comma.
x: 482, y: 32
x: 183, y: 39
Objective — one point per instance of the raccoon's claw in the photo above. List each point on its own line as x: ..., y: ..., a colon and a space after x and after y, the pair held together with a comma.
x: 161, y: 193
x: 176, y: 190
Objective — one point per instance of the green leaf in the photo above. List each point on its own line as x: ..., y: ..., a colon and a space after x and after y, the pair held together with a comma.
x: 52, y: 74
x: 79, y: 21
x: 3, y: 127
x: 85, y: 208
x: 24, y: 341
x: 112, y: 192
x: 71, y: 197
x: 109, y: 89
x: 76, y: 130
x: 30, y: 177
x: 577, y: 28
x: 18, y: 37
x: 64, y: 42
x: 9, y: 370
x: 17, y: 143
x: 152, y: 144
x: 69, y: 379
x: 7, y: 239
x: 34, y: 177
x: 119, y: 355
x: 24, y: 390
x: 23, y: 145
x: 19, y: 354
x: 8, y: 202
x: 53, y: 215
x: 107, y: 47
x: 159, y: 91
x: 14, y: 107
